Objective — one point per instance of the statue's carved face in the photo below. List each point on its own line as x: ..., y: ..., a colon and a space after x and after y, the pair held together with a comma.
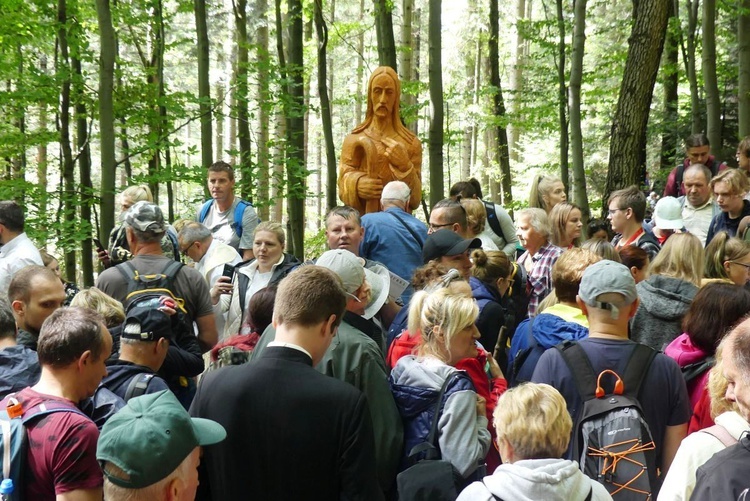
x: 383, y: 95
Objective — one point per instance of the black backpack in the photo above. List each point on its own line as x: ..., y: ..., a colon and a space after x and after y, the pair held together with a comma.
x: 612, y: 441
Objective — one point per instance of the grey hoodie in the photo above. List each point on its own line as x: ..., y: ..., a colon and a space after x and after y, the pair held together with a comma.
x: 664, y: 301
x: 463, y: 436
x: 535, y: 480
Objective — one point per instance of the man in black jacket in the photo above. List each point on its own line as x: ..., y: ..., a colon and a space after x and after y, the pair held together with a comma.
x: 292, y: 433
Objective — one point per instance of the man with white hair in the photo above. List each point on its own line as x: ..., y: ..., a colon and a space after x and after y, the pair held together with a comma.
x: 150, y: 450
x: 394, y: 237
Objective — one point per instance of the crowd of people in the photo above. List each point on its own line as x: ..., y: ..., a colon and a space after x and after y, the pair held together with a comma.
x: 208, y: 363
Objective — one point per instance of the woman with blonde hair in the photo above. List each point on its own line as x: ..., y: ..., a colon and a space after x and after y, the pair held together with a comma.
x: 267, y: 268
x: 567, y: 226
x: 727, y: 260
x: 699, y: 447
x: 665, y: 296
x: 533, y: 431
x: 546, y: 192
x: 448, y: 335
x: 476, y: 219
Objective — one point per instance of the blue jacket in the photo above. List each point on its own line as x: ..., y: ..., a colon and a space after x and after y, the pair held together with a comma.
x: 491, y: 313
x: 548, y: 330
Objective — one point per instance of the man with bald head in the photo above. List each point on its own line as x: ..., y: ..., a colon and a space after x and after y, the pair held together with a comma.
x: 698, y: 208
x: 394, y: 237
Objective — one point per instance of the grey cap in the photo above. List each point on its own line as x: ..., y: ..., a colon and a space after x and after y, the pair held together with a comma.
x: 146, y: 216
x: 607, y: 277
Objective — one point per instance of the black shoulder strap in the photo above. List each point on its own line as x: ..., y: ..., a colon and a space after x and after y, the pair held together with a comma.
x: 523, y: 355
x: 637, y: 368
x: 678, y: 177
x: 428, y: 446
x: 590, y: 494
x: 580, y: 368
x: 171, y: 271
x: 408, y: 228
x: 492, y: 219
x: 138, y: 385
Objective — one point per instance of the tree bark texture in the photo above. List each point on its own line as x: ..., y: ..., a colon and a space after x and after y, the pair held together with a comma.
x: 743, y: 37
x: 204, y: 86
x: 106, y: 116
x: 384, y: 33
x: 627, y: 151
x: 325, y: 105
x: 562, y: 97
x: 670, y: 83
x: 498, y: 108
x: 241, y: 96
x: 710, y: 81
x: 576, y: 135
x: 437, y: 188
x: 264, y: 101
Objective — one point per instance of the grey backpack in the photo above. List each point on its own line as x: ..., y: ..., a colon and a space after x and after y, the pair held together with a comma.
x: 612, y: 441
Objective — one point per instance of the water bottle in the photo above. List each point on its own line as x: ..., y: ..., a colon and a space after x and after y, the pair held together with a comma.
x: 6, y: 489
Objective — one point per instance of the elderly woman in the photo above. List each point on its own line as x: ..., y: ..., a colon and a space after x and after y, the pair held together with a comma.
x: 697, y: 448
x: 476, y: 219
x: 268, y: 267
x: 666, y: 295
x: 560, y: 322
x: 565, y: 219
x: 448, y: 335
x: 533, y: 430
x: 546, y: 192
x: 727, y: 260
x: 533, y: 231
x: 729, y: 188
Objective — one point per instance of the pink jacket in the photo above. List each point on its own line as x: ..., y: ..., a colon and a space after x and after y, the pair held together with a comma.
x: 682, y: 351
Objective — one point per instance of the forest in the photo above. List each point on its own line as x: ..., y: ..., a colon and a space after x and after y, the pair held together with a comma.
x: 97, y: 96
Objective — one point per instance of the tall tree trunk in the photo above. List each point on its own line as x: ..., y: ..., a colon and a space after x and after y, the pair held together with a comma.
x: 204, y: 86
x: 41, y: 151
x: 241, y: 95
x: 743, y: 37
x: 498, y: 109
x: 406, y: 60
x: 475, y: 101
x: 669, y: 137
x: 416, y: 48
x: 576, y: 76
x: 437, y: 189
x: 106, y: 116
x: 384, y: 32
x: 516, y: 82
x: 713, y: 98
x: 688, y: 55
x: 325, y: 105
x: 68, y: 165
x: 562, y: 96
x: 263, y: 113
x: 627, y: 151
x: 360, y: 67
x: 295, y: 133
x: 84, y: 169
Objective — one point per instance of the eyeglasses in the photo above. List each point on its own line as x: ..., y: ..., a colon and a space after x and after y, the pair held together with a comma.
x: 611, y: 212
x: 746, y: 266
x: 184, y: 251
x: 438, y: 226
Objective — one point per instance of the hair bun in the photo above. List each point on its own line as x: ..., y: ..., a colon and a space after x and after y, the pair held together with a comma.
x: 479, y: 257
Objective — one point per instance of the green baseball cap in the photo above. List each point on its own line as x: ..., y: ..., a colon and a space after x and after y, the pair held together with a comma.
x: 149, y: 438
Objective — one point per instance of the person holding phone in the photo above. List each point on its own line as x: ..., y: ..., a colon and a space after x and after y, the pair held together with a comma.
x: 269, y: 266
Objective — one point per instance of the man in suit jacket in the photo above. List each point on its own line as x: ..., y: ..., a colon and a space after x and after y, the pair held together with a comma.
x: 292, y: 433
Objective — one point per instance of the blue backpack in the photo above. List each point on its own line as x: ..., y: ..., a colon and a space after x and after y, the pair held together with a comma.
x: 14, y: 441
x: 239, y: 211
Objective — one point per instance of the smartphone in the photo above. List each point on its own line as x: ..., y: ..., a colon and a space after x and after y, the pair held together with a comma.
x: 98, y: 244
x: 228, y: 271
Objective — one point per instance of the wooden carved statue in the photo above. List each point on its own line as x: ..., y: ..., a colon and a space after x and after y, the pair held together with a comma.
x: 380, y: 149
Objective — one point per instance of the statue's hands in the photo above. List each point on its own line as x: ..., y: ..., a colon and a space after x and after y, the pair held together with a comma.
x: 396, y: 154
x: 369, y: 188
